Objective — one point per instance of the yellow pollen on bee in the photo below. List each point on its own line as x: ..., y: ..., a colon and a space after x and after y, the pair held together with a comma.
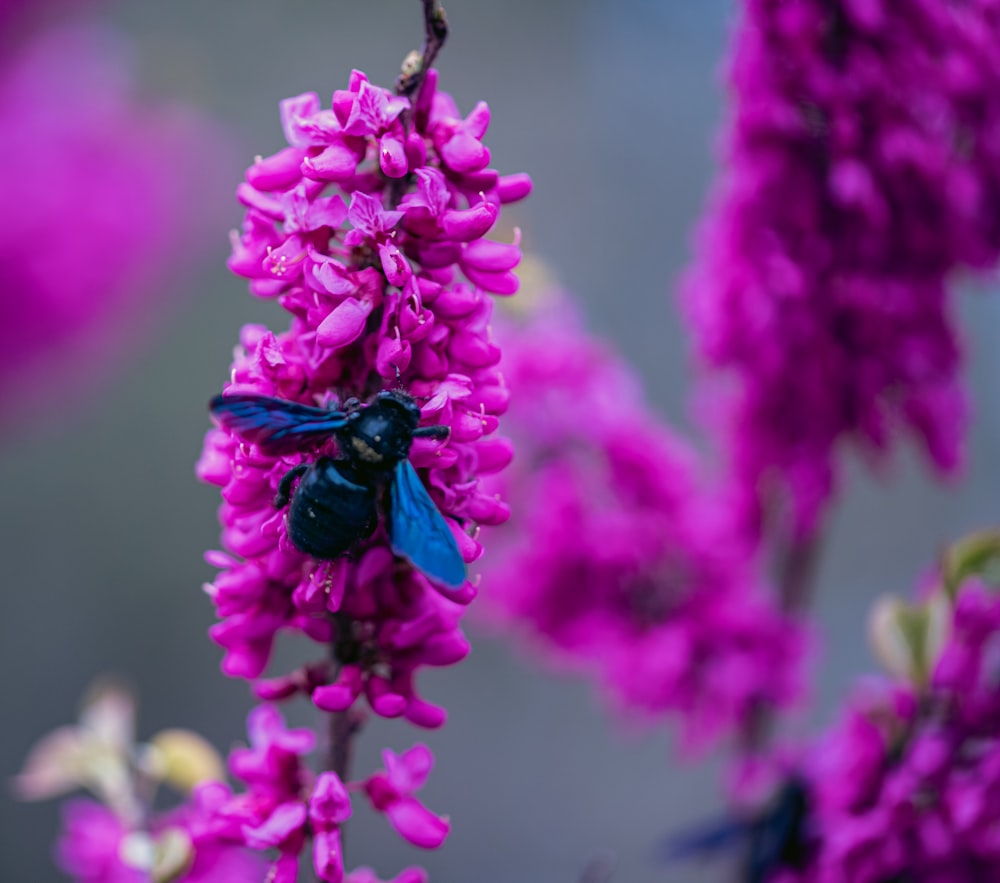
x: 365, y: 451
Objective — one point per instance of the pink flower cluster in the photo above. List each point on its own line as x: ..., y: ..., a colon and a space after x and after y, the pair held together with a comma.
x: 620, y: 560
x: 94, y: 847
x: 907, y: 786
x: 284, y: 807
x: 98, y: 186
x: 369, y: 230
x: 863, y: 169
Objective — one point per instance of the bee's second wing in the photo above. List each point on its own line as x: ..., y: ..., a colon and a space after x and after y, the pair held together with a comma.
x: 277, y: 425
x: 706, y: 839
x: 419, y: 532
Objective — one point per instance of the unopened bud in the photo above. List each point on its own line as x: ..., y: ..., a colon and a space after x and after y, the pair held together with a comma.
x: 183, y: 759
x: 908, y: 638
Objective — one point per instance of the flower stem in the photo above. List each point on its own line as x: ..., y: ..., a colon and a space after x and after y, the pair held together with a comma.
x: 414, y: 74
x: 417, y: 64
x: 343, y: 725
x: 796, y: 572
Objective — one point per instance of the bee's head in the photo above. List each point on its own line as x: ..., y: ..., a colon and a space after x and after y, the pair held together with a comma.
x: 382, y: 433
x: 401, y: 399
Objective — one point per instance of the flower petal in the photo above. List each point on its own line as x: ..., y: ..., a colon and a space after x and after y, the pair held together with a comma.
x: 414, y: 822
x: 344, y: 324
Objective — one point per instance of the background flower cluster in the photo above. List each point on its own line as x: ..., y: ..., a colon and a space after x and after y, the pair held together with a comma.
x: 123, y: 453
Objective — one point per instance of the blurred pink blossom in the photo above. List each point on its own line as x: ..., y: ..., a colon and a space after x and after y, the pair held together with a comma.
x: 862, y: 169
x: 620, y: 559
x: 109, y: 197
x: 96, y: 846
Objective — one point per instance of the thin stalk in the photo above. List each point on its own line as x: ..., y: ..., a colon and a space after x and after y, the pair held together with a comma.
x: 343, y: 727
x: 413, y: 76
x: 416, y: 65
x: 795, y: 576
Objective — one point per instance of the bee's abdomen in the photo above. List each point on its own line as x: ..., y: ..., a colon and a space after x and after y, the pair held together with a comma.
x: 329, y: 513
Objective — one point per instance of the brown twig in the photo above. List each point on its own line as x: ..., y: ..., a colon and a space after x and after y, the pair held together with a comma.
x: 413, y: 76
x: 796, y: 572
x: 417, y: 64
x: 795, y: 575
x: 343, y: 725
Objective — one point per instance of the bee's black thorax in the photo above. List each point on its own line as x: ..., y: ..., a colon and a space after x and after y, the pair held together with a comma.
x: 378, y: 436
x: 336, y: 501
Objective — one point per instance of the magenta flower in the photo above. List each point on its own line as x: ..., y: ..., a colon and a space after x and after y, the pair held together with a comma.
x: 622, y: 563
x: 371, y: 111
x: 862, y: 170
x: 97, y: 847
x: 282, y: 808
x: 362, y: 229
x: 124, y: 838
x: 102, y: 185
x: 391, y: 792
x: 329, y: 808
x: 907, y: 785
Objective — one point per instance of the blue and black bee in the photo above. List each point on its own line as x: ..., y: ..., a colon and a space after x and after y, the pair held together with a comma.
x: 337, y: 500
x: 775, y: 837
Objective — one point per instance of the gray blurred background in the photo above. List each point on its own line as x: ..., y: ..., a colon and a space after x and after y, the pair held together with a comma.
x: 612, y: 107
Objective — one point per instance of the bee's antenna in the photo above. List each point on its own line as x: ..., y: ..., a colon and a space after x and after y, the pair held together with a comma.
x: 399, y: 378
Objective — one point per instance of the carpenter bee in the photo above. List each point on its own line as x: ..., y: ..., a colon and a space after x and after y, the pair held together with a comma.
x: 337, y: 500
x: 775, y: 837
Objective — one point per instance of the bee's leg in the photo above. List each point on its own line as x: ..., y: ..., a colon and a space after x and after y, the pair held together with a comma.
x: 285, y: 487
x: 438, y: 432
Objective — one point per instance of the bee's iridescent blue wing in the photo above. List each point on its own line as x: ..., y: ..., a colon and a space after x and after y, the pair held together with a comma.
x: 709, y: 838
x: 780, y: 838
x: 418, y: 531
x: 776, y: 837
x: 276, y: 425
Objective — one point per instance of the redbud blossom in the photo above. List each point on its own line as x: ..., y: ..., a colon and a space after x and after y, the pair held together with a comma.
x: 621, y: 561
x: 862, y: 169
x: 98, y: 187
x: 368, y: 230
x: 907, y: 784
x: 284, y: 807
